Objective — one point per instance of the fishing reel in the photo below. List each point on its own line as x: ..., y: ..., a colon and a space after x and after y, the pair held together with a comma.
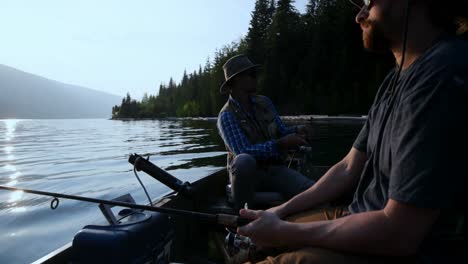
x: 238, y: 246
x: 297, y: 159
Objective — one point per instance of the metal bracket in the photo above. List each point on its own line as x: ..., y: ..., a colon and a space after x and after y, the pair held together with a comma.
x: 107, y: 212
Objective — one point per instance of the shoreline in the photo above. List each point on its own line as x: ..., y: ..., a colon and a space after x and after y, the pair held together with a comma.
x: 301, y: 118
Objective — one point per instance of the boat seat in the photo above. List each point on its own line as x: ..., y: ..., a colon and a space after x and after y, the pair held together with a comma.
x: 261, y: 199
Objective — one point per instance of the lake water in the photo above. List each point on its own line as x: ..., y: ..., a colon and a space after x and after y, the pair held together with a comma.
x: 88, y: 157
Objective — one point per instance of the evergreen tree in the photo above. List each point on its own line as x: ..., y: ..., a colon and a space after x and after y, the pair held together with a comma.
x: 258, y: 30
x: 284, y: 49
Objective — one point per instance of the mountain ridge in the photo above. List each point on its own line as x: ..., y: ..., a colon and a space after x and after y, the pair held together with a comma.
x: 26, y: 95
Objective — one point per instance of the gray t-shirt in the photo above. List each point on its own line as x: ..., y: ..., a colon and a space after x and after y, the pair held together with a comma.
x: 421, y: 158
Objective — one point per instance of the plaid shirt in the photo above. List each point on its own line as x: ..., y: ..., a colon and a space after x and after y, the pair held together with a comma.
x: 237, y: 141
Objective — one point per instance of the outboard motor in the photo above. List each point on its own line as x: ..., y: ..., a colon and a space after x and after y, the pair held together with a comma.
x: 135, y: 237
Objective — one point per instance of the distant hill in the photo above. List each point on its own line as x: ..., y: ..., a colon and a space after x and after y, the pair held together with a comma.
x: 25, y: 95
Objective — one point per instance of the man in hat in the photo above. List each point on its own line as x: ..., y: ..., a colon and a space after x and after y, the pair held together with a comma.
x: 256, y: 138
x: 407, y: 167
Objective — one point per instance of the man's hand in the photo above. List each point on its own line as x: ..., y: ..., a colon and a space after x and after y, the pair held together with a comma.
x: 291, y: 141
x: 304, y: 130
x: 278, y: 210
x: 267, y: 230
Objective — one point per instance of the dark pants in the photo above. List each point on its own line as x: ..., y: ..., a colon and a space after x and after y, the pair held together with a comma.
x: 247, y: 177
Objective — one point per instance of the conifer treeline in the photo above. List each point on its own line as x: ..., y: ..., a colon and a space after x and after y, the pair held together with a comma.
x: 313, y: 63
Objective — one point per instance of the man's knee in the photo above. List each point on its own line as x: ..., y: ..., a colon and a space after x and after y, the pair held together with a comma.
x: 315, y: 255
x: 287, y: 181
x: 243, y: 164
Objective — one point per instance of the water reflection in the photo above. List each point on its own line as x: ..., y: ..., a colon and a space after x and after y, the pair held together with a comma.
x: 9, y: 167
x: 10, y: 125
x: 15, y: 196
x: 12, y: 183
x: 18, y: 210
x: 12, y: 178
x: 8, y: 149
x: 15, y: 175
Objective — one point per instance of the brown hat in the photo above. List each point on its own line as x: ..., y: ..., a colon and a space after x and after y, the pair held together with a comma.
x: 233, y: 67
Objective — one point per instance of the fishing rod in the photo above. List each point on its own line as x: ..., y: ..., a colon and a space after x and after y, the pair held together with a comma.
x: 219, y: 219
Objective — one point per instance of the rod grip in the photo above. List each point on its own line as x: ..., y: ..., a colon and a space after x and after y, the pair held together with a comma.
x: 232, y: 220
x: 161, y: 175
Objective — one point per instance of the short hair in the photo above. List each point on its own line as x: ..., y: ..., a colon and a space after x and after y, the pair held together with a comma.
x: 450, y: 15
x: 462, y: 27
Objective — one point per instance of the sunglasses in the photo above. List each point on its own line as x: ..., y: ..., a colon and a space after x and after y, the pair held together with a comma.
x: 362, y: 3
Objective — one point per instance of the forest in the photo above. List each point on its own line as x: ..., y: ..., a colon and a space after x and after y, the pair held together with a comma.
x: 312, y: 63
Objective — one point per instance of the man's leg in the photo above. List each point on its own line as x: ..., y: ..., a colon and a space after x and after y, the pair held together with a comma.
x: 286, y: 181
x: 313, y: 255
x: 244, y: 177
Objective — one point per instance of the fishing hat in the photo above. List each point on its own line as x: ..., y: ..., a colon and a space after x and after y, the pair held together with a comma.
x: 235, y: 66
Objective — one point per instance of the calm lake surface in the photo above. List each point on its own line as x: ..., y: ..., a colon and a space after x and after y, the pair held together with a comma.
x: 88, y: 157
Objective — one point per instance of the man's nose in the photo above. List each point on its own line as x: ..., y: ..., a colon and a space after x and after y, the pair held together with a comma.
x: 362, y: 15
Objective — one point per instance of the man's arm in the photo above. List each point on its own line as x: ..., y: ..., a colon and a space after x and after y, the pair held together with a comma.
x: 238, y: 143
x: 396, y: 230
x: 338, y: 180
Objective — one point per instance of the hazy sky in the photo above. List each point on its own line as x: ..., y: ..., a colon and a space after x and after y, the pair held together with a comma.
x: 118, y: 46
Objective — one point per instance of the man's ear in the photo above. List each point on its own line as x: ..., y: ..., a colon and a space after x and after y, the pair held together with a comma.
x: 462, y: 26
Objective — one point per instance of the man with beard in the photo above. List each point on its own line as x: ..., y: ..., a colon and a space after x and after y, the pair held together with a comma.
x: 406, y: 167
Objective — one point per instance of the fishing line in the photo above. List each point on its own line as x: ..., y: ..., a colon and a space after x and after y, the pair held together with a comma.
x: 139, y: 180
x: 403, y: 50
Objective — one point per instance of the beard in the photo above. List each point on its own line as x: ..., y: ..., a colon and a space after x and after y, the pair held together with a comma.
x: 373, y: 36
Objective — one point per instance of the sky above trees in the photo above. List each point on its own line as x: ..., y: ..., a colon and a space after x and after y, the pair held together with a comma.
x: 119, y: 46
